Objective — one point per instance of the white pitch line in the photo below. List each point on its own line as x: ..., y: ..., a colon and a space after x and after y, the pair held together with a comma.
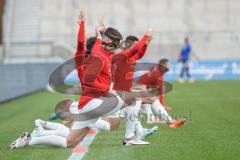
x: 86, y: 142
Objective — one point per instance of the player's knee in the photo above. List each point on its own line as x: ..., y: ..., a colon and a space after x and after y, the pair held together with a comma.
x: 152, y: 99
x: 74, y: 138
x: 129, y: 102
x: 114, y: 125
x: 71, y: 142
x: 149, y: 100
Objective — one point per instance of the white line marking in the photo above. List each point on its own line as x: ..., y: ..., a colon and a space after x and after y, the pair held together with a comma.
x: 86, y: 142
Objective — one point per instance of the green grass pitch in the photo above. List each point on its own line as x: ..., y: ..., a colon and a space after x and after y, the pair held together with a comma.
x: 212, y: 134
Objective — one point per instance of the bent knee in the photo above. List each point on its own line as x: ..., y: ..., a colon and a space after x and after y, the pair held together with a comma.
x: 149, y: 100
x: 114, y: 125
x: 71, y: 143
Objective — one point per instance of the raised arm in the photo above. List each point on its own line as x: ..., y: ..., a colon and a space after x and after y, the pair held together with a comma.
x: 140, y: 53
x: 101, y: 25
x: 81, y: 35
x: 98, y: 44
x: 141, y: 46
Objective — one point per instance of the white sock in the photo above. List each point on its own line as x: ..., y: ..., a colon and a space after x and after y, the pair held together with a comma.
x: 160, y: 110
x: 53, y: 125
x: 132, y: 118
x: 149, y: 113
x: 139, y: 128
x: 52, y: 140
x: 62, y: 132
x: 103, y: 125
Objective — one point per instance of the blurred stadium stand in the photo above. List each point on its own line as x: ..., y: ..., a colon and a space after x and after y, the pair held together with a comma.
x: 44, y: 31
x: 43, y: 28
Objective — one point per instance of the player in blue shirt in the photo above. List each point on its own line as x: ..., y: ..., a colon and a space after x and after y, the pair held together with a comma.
x: 184, y: 59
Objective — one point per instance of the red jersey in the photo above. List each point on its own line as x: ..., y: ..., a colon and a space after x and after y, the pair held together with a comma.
x: 154, y: 78
x: 124, y: 64
x: 96, y: 76
x: 94, y: 72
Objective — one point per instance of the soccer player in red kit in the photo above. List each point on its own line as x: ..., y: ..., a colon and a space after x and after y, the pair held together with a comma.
x: 74, y: 136
x: 124, y: 64
x: 95, y: 80
x: 154, y: 78
x: 97, y: 77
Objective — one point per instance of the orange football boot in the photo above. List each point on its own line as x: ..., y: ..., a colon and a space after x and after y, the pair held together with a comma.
x: 177, y: 123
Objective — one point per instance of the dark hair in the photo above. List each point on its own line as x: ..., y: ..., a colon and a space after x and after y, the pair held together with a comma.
x: 132, y: 38
x: 90, y: 43
x: 113, y: 34
x: 163, y: 61
x: 162, y: 64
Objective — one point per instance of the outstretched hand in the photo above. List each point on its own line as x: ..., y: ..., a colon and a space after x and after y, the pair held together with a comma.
x: 98, y: 32
x: 81, y: 16
x: 149, y: 33
x: 101, y: 24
